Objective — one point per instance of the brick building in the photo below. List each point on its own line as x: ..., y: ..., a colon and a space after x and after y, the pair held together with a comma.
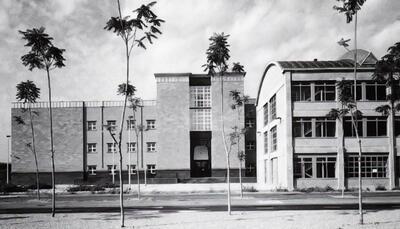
x: 299, y: 147
x: 181, y: 140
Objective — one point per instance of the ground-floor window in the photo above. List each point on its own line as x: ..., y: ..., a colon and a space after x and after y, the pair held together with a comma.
x: 132, y: 168
x: 371, y: 166
x: 92, y: 169
x: 151, y: 168
x: 251, y: 169
x: 111, y: 169
x: 314, y: 166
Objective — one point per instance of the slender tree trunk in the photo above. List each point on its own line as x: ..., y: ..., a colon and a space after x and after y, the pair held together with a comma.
x: 53, y: 182
x: 137, y: 155
x: 34, y: 154
x: 240, y: 156
x: 225, y: 147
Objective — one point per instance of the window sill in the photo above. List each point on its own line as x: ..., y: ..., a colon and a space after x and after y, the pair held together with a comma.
x: 92, y: 152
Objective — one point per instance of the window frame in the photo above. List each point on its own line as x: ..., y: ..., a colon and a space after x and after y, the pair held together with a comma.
x: 129, y: 147
x: 91, y: 171
x: 112, y: 145
x: 273, y: 111
x: 90, y: 148
x: 91, y: 127
x: 151, y: 124
x: 274, y: 139
x: 152, y: 146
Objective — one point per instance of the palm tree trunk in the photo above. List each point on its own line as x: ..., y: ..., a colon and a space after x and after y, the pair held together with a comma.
x: 53, y: 182
x: 34, y: 153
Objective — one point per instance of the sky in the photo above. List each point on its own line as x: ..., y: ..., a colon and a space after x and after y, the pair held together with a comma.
x: 260, y: 31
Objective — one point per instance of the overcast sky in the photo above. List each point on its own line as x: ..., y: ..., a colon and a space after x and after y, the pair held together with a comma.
x: 260, y: 31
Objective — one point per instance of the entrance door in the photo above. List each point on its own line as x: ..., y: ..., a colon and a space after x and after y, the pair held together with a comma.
x: 200, y: 154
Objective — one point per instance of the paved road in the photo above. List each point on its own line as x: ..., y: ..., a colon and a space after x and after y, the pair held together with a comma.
x: 200, y: 202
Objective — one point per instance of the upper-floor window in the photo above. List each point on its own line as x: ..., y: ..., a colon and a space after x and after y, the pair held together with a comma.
x: 200, y: 96
x: 325, y: 127
x: 301, y: 91
x: 324, y: 91
x: 358, y: 91
x: 112, y: 124
x: 272, y: 103
x: 91, y: 125
x: 130, y: 124
x: 151, y: 124
x: 131, y: 168
x: 274, y: 139
x: 250, y: 145
x: 375, y: 91
x: 376, y: 126
x: 200, y: 119
x: 131, y: 147
x: 302, y: 127
x: 265, y: 110
x: 91, y: 147
x: 111, y: 147
x: 151, y: 146
x: 250, y: 123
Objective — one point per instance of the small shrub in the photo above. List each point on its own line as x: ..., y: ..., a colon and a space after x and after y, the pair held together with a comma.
x: 281, y: 190
x: 316, y: 189
x: 7, y: 188
x: 81, y: 188
x: 249, y: 189
x: 107, y: 185
x: 41, y: 186
x: 380, y: 188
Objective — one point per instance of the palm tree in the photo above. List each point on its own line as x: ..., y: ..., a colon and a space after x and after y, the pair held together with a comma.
x: 217, y: 64
x: 44, y: 55
x: 239, y: 101
x: 28, y: 93
x: 134, y: 32
x: 387, y: 70
x: 350, y: 9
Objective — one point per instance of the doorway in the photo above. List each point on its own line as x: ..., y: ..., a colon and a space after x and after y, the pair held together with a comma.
x: 200, y: 153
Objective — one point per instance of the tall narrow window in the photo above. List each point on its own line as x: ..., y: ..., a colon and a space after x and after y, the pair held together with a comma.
x: 200, y: 108
x: 301, y: 91
x: 130, y: 124
x: 274, y: 139
x: 272, y: 103
x: 265, y: 110
x: 266, y: 142
x: 326, y: 167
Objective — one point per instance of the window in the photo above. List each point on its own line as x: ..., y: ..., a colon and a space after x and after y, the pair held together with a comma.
x: 112, y: 169
x: 266, y: 142
x: 151, y: 146
x: 265, y: 114
x: 131, y: 168
x: 274, y: 139
x: 201, y: 119
x: 111, y: 147
x: 397, y: 127
x: 130, y: 124
x: 376, y: 126
x: 359, y: 90
x: 314, y: 167
x: 151, y: 124
x: 302, y: 127
x: 324, y: 91
x: 92, y: 169
x: 250, y: 123
x: 326, y: 167
x: 251, y: 169
x: 91, y: 147
x: 371, y: 166
x: 250, y: 145
x: 325, y: 127
x: 112, y: 124
x: 375, y: 91
x: 349, y: 130
x: 152, y: 169
x: 200, y: 96
x: 301, y: 92
x: 91, y: 125
x: 272, y: 103
x: 131, y: 147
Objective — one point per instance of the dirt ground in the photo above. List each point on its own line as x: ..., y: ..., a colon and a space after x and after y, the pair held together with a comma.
x: 203, y: 219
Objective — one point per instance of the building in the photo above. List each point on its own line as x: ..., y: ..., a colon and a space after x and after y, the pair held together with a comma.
x: 181, y: 140
x: 298, y: 146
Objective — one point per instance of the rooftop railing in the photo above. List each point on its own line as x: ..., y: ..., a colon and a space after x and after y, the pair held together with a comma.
x: 65, y: 104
